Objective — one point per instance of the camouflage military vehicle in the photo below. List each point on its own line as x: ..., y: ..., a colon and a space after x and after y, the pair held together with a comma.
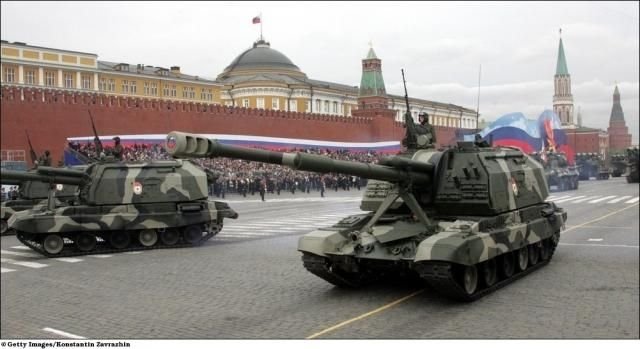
x: 618, y: 164
x: 633, y: 165
x: 468, y: 220
x: 557, y: 171
x: 591, y: 165
x: 33, y: 195
x: 122, y: 207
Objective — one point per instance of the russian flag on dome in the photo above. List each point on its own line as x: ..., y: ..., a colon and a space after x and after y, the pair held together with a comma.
x: 255, y: 20
x: 515, y: 130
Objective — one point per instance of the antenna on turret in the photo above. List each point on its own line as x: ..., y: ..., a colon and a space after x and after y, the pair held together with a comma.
x: 478, y: 105
x: 410, y: 137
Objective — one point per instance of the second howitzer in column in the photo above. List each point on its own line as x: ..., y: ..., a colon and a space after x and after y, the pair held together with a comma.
x: 121, y: 207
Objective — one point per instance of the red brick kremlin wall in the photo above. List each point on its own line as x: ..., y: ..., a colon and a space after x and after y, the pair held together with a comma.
x: 51, y: 116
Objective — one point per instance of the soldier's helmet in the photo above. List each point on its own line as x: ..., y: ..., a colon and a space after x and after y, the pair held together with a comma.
x: 46, y: 152
x: 423, y: 116
x: 116, y: 138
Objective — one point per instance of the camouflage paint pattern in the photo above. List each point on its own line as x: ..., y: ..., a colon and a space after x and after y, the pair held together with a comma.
x: 117, y: 196
x: 481, y: 202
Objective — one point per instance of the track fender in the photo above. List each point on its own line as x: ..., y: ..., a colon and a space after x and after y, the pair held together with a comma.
x: 471, y: 248
x: 321, y: 241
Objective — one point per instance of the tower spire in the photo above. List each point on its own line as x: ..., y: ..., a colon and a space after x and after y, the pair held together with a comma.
x: 561, y: 65
x: 562, y: 97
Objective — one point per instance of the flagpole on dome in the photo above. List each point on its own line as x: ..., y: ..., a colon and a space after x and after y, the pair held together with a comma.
x: 260, y: 16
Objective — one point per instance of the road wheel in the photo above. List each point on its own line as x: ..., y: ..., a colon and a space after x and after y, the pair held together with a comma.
x: 192, y: 234
x: 53, y: 244
x: 147, y: 237
x: 507, y: 265
x: 489, y: 272
x: 470, y: 279
x: 534, y: 253
x: 85, y: 242
x: 169, y: 236
x: 523, y: 258
x: 119, y: 239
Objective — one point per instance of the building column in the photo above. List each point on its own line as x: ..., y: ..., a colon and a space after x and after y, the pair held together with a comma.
x: 96, y: 87
x: 78, y: 80
x: 60, y: 82
x: 21, y: 74
x: 40, y: 76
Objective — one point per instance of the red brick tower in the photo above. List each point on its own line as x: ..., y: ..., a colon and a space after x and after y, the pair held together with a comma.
x: 372, y: 100
x: 619, y: 137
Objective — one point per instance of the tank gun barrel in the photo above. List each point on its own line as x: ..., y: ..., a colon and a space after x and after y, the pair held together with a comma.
x: 46, y: 178
x: 180, y: 144
x: 54, y: 171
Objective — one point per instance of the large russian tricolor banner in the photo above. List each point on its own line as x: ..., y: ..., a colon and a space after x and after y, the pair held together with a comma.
x: 515, y: 130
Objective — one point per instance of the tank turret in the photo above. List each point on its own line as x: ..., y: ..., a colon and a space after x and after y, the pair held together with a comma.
x: 121, y: 206
x: 467, y: 220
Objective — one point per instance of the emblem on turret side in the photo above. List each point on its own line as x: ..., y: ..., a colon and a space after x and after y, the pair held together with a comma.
x: 137, y: 188
x: 514, y: 186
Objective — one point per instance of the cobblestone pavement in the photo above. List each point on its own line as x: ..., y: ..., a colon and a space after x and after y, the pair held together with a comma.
x: 249, y: 282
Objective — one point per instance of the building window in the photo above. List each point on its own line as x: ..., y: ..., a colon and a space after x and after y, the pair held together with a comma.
x: 307, y: 105
x: 326, y: 106
x: 165, y: 90
x: 86, y: 82
x: 30, y: 77
x: 206, y: 94
x: 245, y: 102
x: 102, y: 84
x: 68, y: 80
x: 293, y: 105
x: 188, y: 92
x: 335, y: 107
x: 150, y: 88
x: 125, y: 86
x: 275, y: 103
x: 318, y: 104
x: 133, y: 87
x: 50, y: 78
x: 9, y: 74
x: 174, y: 91
x: 260, y: 102
x: 111, y: 86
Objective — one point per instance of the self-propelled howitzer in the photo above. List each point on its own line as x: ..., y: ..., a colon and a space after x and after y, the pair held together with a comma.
x: 121, y: 207
x: 31, y: 194
x: 467, y: 220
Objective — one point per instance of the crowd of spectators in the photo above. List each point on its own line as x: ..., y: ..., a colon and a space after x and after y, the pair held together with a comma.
x: 134, y: 152
x: 248, y: 177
